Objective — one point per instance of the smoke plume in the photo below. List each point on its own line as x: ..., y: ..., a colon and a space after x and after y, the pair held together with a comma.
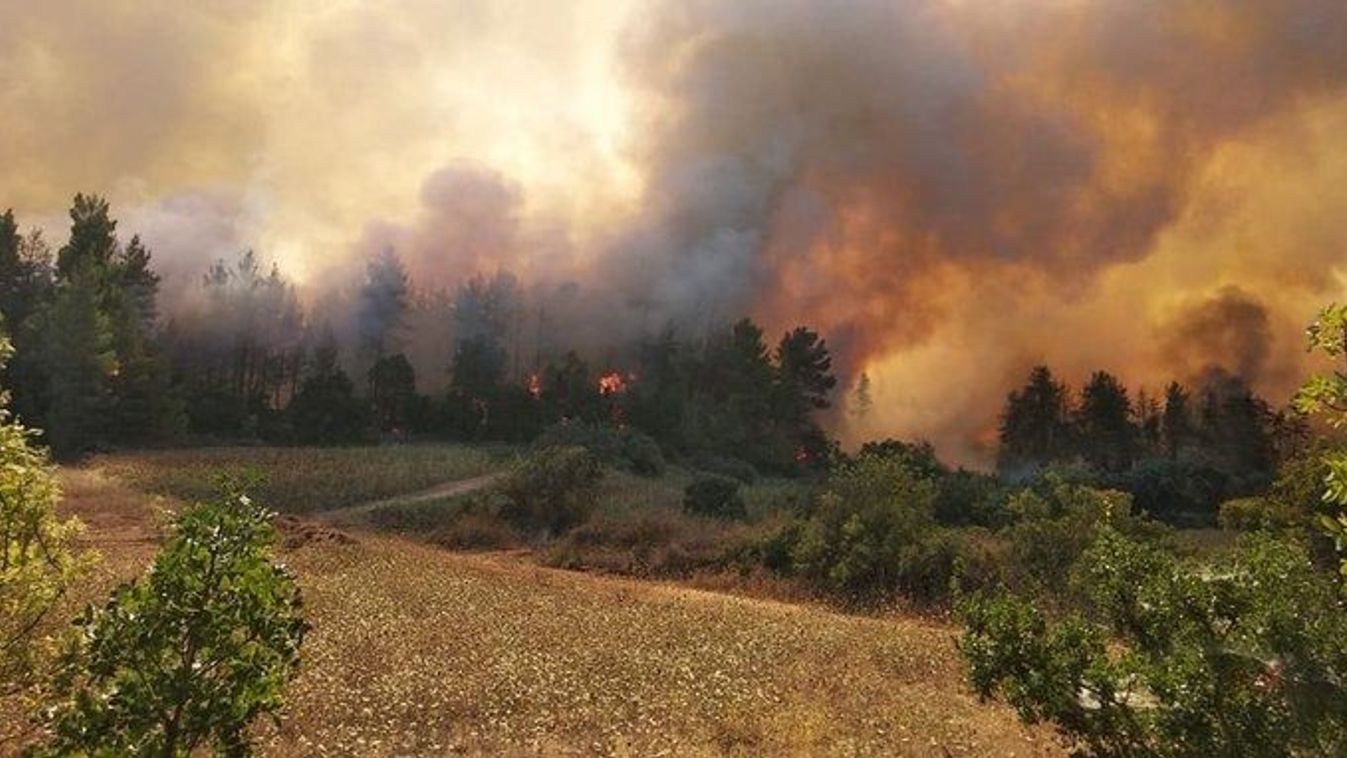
x: 952, y: 191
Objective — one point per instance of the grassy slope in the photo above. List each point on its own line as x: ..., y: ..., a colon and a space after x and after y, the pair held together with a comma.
x: 420, y: 650
x: 302, y: 480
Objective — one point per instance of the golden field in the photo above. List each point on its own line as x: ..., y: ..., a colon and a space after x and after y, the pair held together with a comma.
x: 418, y: 650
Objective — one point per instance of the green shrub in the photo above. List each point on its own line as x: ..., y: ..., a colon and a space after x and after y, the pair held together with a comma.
x: 866, y: 527
x: 552, y: 489
x: 714, y: 496
x: 1241, y: 658
x: 1249, y: 514
x: 191, y: 654
x: 968, y: 498
x: 38, y: 557
x: 1183, y: 491
x: 1054, y: 525
x: 620, y: 447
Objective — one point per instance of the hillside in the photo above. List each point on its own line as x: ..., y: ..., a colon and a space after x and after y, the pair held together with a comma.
x: 417, y: 650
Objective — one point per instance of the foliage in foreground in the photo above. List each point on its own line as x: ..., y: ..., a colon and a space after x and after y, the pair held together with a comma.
x: 867, y: 529
x: 37, y: 557
x: 1326, y: 395
x: 192, y: 653
x: 1241, y: 658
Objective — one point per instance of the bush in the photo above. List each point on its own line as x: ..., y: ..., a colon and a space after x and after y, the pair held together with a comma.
x: 326, y: 411
x: 1053, y: 527
x: 38, y: 559
x: 969, y: 498
x: 1240, y: 658
x: 1249, y: 514
x: 552, y: 489
x: 866, y: 528
x: 192, y: 653
x: 1181, y: 491
x: 714, y: 496
x: 623, y: 448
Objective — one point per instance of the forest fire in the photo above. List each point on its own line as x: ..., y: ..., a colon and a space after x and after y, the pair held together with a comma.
x: 612, y: 383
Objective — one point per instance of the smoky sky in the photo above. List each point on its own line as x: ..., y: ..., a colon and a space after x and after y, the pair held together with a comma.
x: 950, y: 190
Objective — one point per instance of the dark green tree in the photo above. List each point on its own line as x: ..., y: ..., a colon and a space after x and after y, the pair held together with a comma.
x: 804, y: 383
x: 93, y: 238
x: 804, y: 371
x: 479, y: 368
x: 25, y: 276
x: 392, y: 392
x: 1177, y: 425
x: 145, y: 405
x: 1106, y: 434
x: 1036, y: 423
x: 382, y: 309
x: 730, y: 411
x: 80, y: 358
x: 657, y: 399
x: 569, y: 391
x: 1235, y: 427
x: 25, y: 291
x: 326, y: 409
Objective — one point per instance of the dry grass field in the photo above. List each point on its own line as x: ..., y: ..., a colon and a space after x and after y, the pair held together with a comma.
x: 416, y: 650
x: 302, y: 480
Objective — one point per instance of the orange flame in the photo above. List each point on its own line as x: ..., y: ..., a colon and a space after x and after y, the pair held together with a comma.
x: 611, y: 383
x: 535, y: 386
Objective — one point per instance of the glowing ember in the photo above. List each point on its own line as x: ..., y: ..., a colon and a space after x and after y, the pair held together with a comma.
x: 801, y: 455
x: 611, y: 383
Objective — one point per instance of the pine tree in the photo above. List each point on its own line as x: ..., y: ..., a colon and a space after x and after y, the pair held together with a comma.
x: 1107, y: 436
x: 392, y: 390
x: 382, y: 307
x: 1177, y: 427
x: 1035, y: 425
x: 93, y: 238
x: 81, y: 359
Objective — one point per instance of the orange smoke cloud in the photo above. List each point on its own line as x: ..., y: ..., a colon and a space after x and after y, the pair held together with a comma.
x: 952, y: 191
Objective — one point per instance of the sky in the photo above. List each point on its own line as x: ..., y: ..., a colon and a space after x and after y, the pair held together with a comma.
x: 951, y: 190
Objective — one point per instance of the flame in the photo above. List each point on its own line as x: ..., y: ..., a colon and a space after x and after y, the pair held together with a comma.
x: 612, y: 383
x: 535, y: 386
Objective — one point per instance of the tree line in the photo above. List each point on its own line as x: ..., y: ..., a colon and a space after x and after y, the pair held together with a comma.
x: 1180, y: 455
x: 97, y: 364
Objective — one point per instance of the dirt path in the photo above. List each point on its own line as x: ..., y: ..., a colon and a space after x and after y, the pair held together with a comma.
x: 356, y: 513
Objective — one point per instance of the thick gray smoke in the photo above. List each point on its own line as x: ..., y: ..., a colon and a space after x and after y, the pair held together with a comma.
x: 950, y: 190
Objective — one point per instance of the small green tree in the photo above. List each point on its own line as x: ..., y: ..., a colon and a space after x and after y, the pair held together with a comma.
x: 1243, y: 657
x: 1326, y: 395
x: 192, y: 653
x: 866, y: 528
x: 37, y: 557
x: 1036, y: 424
